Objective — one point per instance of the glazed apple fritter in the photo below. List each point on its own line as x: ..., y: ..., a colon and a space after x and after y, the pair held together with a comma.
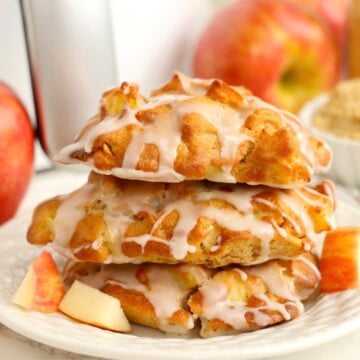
x: 123, y: 221
x: 192, y: 129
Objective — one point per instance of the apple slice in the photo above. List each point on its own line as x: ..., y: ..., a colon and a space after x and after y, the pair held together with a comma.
x: 94, y: 307
x: 340, y: 260
x: 42, y: 287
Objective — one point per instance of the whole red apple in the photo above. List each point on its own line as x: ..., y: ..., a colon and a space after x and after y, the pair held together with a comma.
x: 334, y: 13
x: 16, y: 152
x: 275, y: 48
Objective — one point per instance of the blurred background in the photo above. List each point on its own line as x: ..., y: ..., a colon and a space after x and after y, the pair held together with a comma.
x: 78, y: 48
x: 149, y: 39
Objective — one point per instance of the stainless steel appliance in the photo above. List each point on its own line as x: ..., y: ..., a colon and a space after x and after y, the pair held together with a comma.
x: 72, y: 60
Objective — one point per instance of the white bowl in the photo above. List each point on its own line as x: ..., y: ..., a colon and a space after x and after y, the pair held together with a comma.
x: 345, y: 167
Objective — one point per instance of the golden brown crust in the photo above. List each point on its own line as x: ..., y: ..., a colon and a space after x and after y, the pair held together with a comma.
x: 253, y: 293
x: 141, y: 288
x: 136, y: 306
x: 127, y: 221
x: 274, y: 149
x: 42, y: 229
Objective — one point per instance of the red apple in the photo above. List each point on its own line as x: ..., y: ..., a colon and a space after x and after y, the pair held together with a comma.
x: 340, y: 260
x: 334, y: 13
x: 42, y: 289
x: 16, y: 152
x: 275, y: 48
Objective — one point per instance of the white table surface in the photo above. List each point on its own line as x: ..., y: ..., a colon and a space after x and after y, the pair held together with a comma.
x: 15, y: 346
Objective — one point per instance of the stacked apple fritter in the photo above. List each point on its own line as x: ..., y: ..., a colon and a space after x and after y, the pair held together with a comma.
x: 197, y: 206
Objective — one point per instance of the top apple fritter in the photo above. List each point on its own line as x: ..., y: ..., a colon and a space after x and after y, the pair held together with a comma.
x: 192, y: 129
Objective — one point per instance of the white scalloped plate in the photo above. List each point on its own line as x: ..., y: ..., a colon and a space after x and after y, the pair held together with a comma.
x: 327, y: 318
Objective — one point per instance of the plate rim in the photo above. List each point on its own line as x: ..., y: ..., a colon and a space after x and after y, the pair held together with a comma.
x: 227, y: 354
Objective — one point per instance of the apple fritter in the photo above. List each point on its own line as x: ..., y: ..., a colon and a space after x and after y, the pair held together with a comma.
x: 110, y: 220
x: 228, y: 300
x: 192, y: 129
x: 150, y: 294
x: 248, y: 298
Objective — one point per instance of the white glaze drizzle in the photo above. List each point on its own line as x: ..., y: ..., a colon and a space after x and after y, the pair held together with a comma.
x: 329, y: 189
x: 163, y: 293
x: 107, y: 125
x: 189, y: 212
x: 165, y: 133
x: 162, y: 288
x: 282, y: 232
x: 295, y: 124
x: 310, y: 200
x: 299, y: 210
x: 247, y: 221
x: 322, y: 169
x: 69, y: 213
x: 275, y: 306
x: 242, y: 273
x: 274, y: 277
x: 310, y: 264
x: 271, y: 205
x: 123, y: 205
x: 217, y: 246
x: 216, y: 305
x: 320, y: 199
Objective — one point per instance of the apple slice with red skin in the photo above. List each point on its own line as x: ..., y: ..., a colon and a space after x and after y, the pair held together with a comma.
x: 340, y: 260
x: 42, y: 289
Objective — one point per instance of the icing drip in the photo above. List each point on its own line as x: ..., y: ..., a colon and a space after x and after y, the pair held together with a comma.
x: 277, y: 282
x: 69, y: 213
x: 228, y: 123
x: 237, y: 214
x: 161, y: 286
x: 282, y: 232
x: 311, y: 265
x: 107, y: 125
x: 217, y: 246
x: 247, y: 221
x: 162, y: 292
x: 303, y: 194
x: 162, y: 289
x: 298, y: 208
x: 295, y: 124
x: 305, y: 291
x: 217, y: 305
x: 189, y: 212
x: 242, y: 273
x: 318, y: 202
x: 296, y: 227
x: 273, y: 305
x: 165, y: 133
